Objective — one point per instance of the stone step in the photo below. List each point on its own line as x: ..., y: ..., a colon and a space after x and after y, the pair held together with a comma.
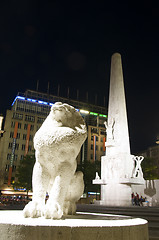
x: 150, y: 214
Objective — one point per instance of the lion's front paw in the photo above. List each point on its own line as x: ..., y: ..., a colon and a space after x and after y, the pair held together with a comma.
x: 33, y: 210
x: 53, y: 210
x: 69, y: 208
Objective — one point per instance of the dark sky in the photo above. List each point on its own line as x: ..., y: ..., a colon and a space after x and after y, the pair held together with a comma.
x: 70, y: 43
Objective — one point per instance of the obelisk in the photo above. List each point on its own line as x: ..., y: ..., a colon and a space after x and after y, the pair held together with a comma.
x: 117, y: 126
x: 117, y: 164
x: 119, y: 169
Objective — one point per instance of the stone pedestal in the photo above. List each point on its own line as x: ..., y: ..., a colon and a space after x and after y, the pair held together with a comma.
x: 13, y: 226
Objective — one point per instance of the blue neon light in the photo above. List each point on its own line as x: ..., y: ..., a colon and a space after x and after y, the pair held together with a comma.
x: 22, y: 98
x: 31, y: 100
x: 42, y: 102
x: 51, y: 104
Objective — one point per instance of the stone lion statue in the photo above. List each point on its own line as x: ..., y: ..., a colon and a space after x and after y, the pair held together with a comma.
x: 57, y: 144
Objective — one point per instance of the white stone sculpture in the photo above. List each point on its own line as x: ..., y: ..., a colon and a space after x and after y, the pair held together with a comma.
x: 138, y: 170
x: 57, y: 144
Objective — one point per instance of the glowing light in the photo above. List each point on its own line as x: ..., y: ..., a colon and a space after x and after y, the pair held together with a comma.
x: 51, y: 104
x: 42, y: 102
x: 18, y: 97
x: 31, y: 100
x: 93, y: 113
x: 84, y: 111
x: 22, y: 98
x: 93, y: 193
x: 102, y: 115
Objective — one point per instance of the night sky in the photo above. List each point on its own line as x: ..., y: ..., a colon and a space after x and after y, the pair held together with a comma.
x: 70, y: 43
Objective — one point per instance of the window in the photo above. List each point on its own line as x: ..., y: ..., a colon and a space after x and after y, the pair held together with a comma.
x: 91, y: 156
x: 29, y: 148
x: 92, y: 137
x: 91, y: 146
x: 10, y: 145
x: 17, y: 146
x: 19, y: 125
x: 101, y: 148
x: 17, y: 116
x: 29, y: 118
x: 94, y: 130
x: 8, y: 156
x: 23, y: 147
x: 7, y: 168
x: 32, y: 128
x: 40, y: 120
x: 25, y: 126
x: 14, y: 168
x: 18, y: 135
x: 101, y: 139
x: 11, y: 134
x: 12, y: 124
x: 102, y: 132
x: 15, y: 157
x: 24, y: 136
x: 21, y: 157
x: 31, y: 138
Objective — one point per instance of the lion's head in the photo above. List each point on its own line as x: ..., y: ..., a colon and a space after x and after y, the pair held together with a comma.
x: 66, y: 115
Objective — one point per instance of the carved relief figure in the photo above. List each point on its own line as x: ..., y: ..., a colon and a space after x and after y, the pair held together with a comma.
x: 138, y: 170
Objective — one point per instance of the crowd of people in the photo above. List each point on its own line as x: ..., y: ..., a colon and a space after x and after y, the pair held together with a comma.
x: 13, y: 200
x: 137, y: 200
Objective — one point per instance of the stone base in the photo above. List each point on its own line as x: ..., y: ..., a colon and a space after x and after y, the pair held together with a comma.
x: 14, y: 226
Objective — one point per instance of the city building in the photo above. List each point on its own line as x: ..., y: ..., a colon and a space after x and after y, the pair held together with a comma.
x: 27, y: 113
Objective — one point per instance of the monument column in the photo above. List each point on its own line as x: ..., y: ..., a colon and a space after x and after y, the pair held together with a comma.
x: 118, y: 169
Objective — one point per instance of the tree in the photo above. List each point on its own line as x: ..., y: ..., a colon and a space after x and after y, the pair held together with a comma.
x: 150, y: 169
x: 89, y: 170
x: 24, y: 173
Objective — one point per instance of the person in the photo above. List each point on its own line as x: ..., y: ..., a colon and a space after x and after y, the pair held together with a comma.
x: 141, y: 200
x: 133, y: 199
x: 136, y: 199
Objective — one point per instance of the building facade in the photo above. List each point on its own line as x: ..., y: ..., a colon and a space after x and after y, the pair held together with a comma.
x: 25, y: 117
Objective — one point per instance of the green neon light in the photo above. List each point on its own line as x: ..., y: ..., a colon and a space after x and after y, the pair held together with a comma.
x: 102, y: 115
x: 92, y: 113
